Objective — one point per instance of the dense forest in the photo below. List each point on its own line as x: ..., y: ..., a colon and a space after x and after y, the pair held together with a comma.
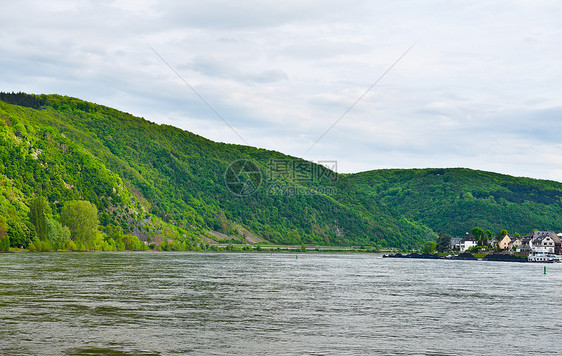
x: 454, y: 200
x: 146, y: 185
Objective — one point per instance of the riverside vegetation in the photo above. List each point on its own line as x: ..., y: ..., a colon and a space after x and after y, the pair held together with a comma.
x: 81, y: 176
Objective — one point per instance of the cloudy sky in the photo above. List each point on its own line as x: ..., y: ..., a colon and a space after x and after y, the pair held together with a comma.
x: 480, y: 88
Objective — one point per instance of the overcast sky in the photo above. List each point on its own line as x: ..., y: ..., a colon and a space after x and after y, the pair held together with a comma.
x: 480, y: 88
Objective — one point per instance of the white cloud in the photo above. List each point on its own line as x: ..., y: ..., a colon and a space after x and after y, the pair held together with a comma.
x: 480, y: 88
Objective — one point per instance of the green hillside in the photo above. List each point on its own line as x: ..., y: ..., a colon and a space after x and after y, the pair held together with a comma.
x: 455, y: 200
x: 176, y: 190
x: 159, y: 183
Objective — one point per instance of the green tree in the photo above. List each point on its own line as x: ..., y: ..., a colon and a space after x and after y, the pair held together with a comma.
x: 429, y: 247
x: 501, y: 234
x: 478, y: 233
x: 57, y: 235
x: 443, y: 242
x: 21, y: 234
x: 3, y: 227
x: 487, y: 236
x: 132, y: 243
x: 38, y: 211
x: 4, y: 244
x: 81, y: 217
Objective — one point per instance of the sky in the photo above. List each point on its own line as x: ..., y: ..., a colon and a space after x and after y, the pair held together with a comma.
x: 474, y: 84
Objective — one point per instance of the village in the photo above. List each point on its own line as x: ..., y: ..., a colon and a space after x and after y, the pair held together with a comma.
x: 538, y: 246
x: 544, y: 242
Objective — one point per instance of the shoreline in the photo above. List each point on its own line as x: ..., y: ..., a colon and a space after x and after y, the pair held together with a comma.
x: 224, y: 249
x: 465, y: 256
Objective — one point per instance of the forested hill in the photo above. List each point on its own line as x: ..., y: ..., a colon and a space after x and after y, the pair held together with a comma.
x: 160, y: 183
x: 455, y: 200
x: 170, y: 187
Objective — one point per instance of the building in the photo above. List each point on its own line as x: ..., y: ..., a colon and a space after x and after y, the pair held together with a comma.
x: 455, y: 243
x: 503, y: 243
x: 468, y: 242
x: 516, y: 241
x: 544, y: 241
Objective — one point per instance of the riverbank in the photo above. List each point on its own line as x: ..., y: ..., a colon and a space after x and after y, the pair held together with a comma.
x: 238, y: 248
x: 466, y: 256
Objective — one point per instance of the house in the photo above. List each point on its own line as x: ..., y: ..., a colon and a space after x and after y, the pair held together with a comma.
x: 455, y: 243
x: 524, y: 245
x: 503, y: 243
x: 544, y: 241
x: 515, y: 241
x: 468, y: 242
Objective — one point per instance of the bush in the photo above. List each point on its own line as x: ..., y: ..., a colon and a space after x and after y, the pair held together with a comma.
x: 134, y: 244
x: 474, y: 249
x: 429, y: 247
x: 71, y: 246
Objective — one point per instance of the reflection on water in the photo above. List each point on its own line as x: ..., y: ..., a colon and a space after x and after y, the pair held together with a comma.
x: 318, y: 304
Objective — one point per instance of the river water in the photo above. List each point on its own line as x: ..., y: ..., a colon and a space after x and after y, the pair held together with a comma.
x: 281, y: 304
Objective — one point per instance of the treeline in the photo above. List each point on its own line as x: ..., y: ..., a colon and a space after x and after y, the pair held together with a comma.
x: 76, y: 229
x: 22, y: 99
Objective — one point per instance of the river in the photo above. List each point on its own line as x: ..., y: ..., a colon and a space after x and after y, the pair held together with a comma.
x: 149, y: 303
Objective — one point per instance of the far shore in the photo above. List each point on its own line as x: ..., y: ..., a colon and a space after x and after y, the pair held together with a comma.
x: 239, y: 249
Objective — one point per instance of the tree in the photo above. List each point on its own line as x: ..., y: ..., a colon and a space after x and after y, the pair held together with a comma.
x: 487, y: 236
x: 3, y: 227
x: 478, y: 233
x: 443, y: 242
x: 81, y: 217
x: 4, y: 244
x: 429, y: 247
x: 58, y: 235
x: 501, y: 234
x: 21, y: 234
x: 38, y: 211
x: 132, y: 243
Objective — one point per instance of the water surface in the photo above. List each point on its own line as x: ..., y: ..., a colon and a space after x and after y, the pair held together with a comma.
x: 316, y: 304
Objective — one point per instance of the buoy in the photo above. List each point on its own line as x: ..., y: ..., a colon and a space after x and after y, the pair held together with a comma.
x: 544, y: 269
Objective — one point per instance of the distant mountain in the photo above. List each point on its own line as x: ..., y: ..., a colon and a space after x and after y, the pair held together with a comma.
x: 454, y: 200
x: 161, y: 183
